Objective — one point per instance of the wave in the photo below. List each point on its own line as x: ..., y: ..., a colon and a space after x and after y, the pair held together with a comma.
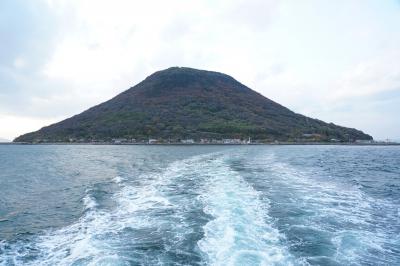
x: 328, y: 222
x: 88, y: 201
x: 241, y: 232
x: 118, y: 179
x: 143, y: 222
x: 98, y: 236
x: 196, y: 211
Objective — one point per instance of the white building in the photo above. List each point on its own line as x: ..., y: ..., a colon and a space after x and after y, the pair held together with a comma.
x: 187, y: 141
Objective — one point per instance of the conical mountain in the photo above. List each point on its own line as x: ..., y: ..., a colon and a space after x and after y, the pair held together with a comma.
x: 181, y: 103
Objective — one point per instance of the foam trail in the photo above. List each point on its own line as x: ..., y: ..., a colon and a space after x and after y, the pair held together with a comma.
x: 101, y: 237
x: 197, y: 211
x: 144, y: 217
x: 241, y: 232
x: 341, y: 217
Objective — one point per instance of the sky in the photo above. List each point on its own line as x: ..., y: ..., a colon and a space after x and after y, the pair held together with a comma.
x: 338, y: 61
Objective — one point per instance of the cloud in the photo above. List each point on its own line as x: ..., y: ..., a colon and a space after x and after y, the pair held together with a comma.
x: 322, y: 59
x: 29, y: 34
x: 256, y: 15
x: 13, y: 126
x: 370, y: 77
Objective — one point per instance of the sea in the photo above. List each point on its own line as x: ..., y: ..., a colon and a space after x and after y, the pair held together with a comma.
x: 199, y: 205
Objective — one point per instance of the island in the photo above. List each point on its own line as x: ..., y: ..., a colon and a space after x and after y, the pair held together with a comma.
x: 190, y: 106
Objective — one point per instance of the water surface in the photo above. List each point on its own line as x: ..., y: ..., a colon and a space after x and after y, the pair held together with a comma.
x: 199, y: 205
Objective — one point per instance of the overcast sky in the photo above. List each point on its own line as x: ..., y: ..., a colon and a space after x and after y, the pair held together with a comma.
x: 338, y: 61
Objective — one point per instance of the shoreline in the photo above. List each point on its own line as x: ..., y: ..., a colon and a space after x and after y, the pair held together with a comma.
x: 207, y: 144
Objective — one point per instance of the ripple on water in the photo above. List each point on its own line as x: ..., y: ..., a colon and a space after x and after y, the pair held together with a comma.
x: 327, y: 223
x: 241, y: 232
x: 152, y: 223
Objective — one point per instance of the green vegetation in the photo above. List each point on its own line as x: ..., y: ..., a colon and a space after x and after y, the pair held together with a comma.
x: 180, y: 103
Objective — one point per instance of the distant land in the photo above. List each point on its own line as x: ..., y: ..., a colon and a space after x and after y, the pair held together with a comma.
x: 4, y: 140
x: 187, y: 105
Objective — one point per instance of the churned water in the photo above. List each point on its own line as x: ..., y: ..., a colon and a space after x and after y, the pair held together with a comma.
x: 199, y: 205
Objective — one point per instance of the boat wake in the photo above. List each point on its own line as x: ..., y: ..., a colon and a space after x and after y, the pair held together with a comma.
x: 196, y: 211
x: 241, y: 232
x: 220, y: 209
x: 325, y: 222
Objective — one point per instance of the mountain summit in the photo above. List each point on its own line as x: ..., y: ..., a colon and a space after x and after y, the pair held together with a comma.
x: 182, y: 103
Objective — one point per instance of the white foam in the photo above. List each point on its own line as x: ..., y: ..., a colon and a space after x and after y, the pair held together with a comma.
x: 118, y: 179
x: 355, y: 232
x: 92, y: 240
x: 88, y: 201
x: 87, y: 239
x: 241, y: 232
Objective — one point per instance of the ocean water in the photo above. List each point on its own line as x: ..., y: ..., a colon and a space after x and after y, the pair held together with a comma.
x: 199, y: 205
